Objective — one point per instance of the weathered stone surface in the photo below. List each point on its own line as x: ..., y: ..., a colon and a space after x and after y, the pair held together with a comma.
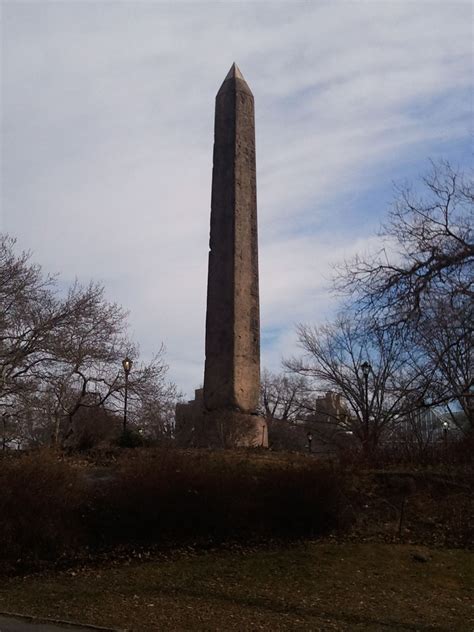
x: 224, y: 428
x: 232, y: 368
x: 223, y: 414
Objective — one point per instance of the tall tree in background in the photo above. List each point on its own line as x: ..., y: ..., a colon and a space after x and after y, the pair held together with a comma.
x: 285, y: 397
x: 428, y: 251
x: 31, y: 317
x: 60, y: 355
x: 334, y: 357
x: 443, y: 340
x: 88, y: 349
x: 422, y: 280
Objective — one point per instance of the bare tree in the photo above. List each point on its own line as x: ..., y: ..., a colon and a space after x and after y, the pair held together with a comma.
x: 444, y: 337
x: 419, y: 431
x: 38, y: 328
x: 285, y: 400
x: 62, y: 355
x: 334, y: 358
x: 88, y: 348
x: 153, y: 399
x: 27, y: 314
x: 285, y: 397
x: 428, y: 250
x: 422, y: 280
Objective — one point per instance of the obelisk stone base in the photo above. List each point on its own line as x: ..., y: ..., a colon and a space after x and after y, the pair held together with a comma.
x: 201, y: 428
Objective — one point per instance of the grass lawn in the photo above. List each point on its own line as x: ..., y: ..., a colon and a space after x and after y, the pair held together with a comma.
x: 314, y: 586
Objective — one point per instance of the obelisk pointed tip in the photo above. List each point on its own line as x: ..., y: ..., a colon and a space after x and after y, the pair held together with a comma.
x: 234, y: 73
x: 236, y: 77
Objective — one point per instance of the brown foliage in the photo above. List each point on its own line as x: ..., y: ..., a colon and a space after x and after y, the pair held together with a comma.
x: 49, y: 508
x: 52, y: 509
x: 40, y: 507
x: 178, y: 497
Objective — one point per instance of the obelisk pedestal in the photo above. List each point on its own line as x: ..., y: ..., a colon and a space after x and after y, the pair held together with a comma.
x: 226, y: 410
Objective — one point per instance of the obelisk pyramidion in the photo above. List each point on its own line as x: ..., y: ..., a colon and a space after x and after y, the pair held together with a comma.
x: 232, y: 367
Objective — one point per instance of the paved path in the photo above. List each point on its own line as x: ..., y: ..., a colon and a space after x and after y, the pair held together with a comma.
x: 13, y: 624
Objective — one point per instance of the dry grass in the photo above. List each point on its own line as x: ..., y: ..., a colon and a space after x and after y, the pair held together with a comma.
x: 317, y: 586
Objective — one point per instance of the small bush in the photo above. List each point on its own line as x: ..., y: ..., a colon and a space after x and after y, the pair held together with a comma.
x: 50, y: 508
x: 40, y: 507
x: 178, y: 497
x: 130, y: 439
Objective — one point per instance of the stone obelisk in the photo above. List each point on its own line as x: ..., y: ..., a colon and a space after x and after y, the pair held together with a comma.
x: 223, y: 413
x: 232, y: 368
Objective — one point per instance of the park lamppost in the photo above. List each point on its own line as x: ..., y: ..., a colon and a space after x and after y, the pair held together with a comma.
x: 445, y: 437
x: 127, y: 367
x: 310, y: 439
x: 4, y: 436
x: 366, y: 369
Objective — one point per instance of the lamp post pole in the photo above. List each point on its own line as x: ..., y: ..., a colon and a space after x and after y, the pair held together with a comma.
x: 310, y: 439
x: 127, y: 365
x: 445, y: 437
x: 366, y: 369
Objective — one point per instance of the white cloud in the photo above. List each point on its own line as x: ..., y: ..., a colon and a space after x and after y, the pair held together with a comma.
x: 107, y: 114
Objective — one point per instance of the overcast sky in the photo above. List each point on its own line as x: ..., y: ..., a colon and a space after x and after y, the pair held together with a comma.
x: 107, y: 131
